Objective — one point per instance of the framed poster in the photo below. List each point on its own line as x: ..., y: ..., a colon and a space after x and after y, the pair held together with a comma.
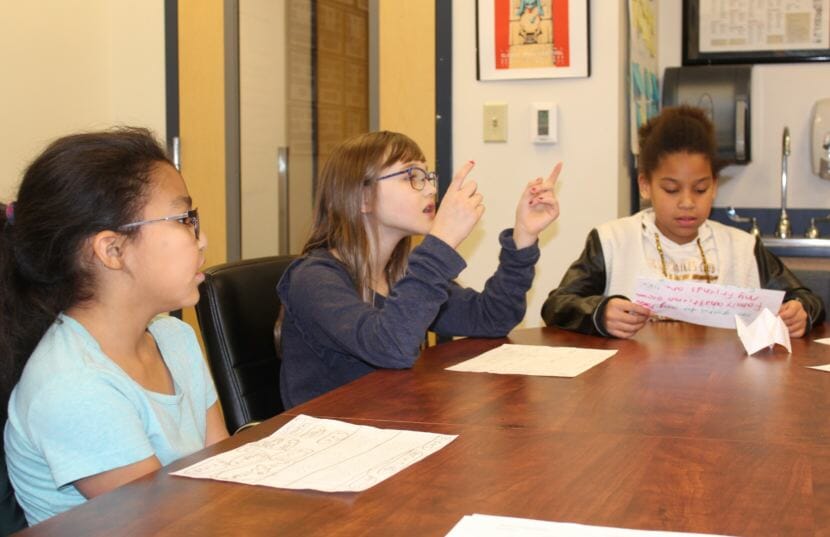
x: 755, y: 31
x: 532, y: 39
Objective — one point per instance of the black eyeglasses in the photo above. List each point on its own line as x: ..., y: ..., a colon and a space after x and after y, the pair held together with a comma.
x: 190, y: 218
x: 418, y: 177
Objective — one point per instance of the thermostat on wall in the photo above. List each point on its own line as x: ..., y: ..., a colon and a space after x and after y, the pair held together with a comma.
x: 543, y: 123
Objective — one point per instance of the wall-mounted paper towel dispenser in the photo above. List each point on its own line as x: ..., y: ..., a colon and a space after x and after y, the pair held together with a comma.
x: 820, y: 144
x: 722, y: 91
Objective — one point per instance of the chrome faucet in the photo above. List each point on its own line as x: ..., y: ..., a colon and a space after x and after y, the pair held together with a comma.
x: 754, y: 229
x: 783, y: 230
x: 812, y: 231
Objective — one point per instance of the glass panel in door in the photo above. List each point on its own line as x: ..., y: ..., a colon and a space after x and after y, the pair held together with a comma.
x: 303, y: 72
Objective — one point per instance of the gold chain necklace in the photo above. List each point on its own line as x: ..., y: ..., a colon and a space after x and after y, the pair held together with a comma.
x: 663, y: 258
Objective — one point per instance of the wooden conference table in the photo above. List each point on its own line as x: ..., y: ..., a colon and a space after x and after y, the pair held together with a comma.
x: 680, y: 431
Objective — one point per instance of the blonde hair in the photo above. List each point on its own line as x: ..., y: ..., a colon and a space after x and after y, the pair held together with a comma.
x: 338, y: 220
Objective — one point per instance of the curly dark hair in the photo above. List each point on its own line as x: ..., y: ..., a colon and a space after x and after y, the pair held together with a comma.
x: 680, y: 129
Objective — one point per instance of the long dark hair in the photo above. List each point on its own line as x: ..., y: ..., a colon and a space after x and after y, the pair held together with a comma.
x: 80, y: 185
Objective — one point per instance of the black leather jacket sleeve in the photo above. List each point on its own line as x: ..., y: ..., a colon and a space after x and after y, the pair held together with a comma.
x: 578, y: 303
x: 775, y: 275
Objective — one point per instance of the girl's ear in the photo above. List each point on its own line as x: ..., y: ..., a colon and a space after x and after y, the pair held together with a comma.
x: 108, y: 248
x: 645, y: 186
x: 367, y: 200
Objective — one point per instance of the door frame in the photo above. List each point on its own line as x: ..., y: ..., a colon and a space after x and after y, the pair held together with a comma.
x: 443, y: 100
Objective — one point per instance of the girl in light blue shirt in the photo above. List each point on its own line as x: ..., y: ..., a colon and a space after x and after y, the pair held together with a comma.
x: 101, y: 240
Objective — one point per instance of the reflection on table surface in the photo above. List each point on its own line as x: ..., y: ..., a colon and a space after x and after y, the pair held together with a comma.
x: 680, y: 431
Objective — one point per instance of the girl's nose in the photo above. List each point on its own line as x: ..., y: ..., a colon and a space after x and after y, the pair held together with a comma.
x: 203, y: 240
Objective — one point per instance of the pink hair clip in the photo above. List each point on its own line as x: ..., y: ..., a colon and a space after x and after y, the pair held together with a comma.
x: 10, y: 213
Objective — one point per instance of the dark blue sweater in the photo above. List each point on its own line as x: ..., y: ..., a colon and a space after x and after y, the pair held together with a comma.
x: 331, y: 337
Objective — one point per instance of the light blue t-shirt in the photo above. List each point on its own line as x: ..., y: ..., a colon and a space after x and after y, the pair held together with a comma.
x: 75, y: 413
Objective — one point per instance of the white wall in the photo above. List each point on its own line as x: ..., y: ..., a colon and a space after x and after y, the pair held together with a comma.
x: 73, y: 65
x: 782, y: 95
x: 592, y: 135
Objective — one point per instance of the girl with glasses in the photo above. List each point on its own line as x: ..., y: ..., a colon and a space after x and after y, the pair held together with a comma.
x: 101, y: 240
x: 360, y: 298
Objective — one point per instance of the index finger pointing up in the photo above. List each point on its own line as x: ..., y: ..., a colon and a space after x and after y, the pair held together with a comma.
x: 554, y: 175
x: 461, y: 174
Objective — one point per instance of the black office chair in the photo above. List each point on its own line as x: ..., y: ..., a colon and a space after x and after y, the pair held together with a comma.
x: 236, y: 311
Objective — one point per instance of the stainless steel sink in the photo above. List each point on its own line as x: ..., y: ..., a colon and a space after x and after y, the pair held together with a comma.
x: 797, y: 247
x: 795, y: 242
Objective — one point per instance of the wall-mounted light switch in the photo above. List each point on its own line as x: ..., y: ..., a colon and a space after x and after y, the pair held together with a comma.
x: 495, y: 122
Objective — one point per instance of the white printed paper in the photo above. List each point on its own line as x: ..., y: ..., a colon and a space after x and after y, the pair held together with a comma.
x: 502, y: 526
x: 825, y: 367
x: 320, y: 454
x: 705, y: 303
x: 537, y: 360
x: 748, y: 25
x: 823, y: 341
x: 765, y: 331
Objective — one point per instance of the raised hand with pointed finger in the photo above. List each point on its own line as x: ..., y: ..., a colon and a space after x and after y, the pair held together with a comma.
x: 537, y: 209
x: 460, y: 210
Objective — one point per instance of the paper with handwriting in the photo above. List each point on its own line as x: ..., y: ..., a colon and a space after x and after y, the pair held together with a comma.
x: 320, y: 454
x: 502, y: 526
x: 705, y: 303
x: 540, y: 360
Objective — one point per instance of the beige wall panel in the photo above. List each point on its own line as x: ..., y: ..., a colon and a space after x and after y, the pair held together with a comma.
x: 74, y: 66
x: 202, y: 116
x: 137, y: 64
x: 407, y: 71
x: 406, y: 77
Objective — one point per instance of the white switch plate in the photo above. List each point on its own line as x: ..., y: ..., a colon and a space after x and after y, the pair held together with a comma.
x: 543, y: 123
x: 495, y: 122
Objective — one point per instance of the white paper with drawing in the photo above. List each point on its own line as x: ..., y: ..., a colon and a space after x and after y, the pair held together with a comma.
x: 538, y: 360
x: 705, y: 303
x: 320, y: 454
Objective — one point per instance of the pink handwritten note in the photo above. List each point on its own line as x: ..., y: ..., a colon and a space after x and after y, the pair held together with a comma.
x: 705, y: 303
